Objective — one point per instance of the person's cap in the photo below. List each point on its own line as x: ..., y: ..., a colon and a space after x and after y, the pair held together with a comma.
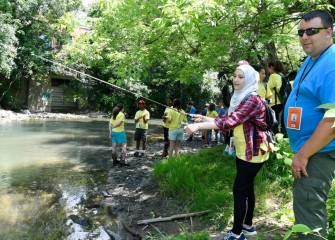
x: 141, y: 102
x: 207, y: 104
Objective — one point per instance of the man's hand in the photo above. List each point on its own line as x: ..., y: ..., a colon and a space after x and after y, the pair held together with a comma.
x: 299, y: 163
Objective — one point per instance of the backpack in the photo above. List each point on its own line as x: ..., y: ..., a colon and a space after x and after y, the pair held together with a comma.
x: 227, y: 92
x: 270, y: 116
x: 284, y: 90
x: 270, y: 119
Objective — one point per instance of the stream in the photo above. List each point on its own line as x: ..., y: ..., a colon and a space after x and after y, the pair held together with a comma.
x: 52, y: 176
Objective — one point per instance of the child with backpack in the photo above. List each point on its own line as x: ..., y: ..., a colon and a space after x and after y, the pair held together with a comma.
x: 247, y: 117
x: 280, y: 89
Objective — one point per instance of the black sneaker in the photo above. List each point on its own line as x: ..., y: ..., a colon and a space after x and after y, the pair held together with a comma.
x: 142, y: 154
x: 136, y: 154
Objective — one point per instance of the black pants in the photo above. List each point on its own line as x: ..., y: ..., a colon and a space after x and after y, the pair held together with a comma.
x: 244, y: 195
x: 166, y: 139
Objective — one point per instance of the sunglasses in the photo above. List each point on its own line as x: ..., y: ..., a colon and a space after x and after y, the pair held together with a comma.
x: 310, y: 31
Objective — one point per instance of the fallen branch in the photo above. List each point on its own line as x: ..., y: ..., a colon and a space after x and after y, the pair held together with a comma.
x: 165, y: 219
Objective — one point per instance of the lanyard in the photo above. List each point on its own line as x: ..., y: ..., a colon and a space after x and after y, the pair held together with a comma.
x: 303, y: 75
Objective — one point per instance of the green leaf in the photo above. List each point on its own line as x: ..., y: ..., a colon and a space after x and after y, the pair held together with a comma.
x: 288, y: 234
x: 301, y: 228
x: 288, y: 161
x: 330, y: 113
x: 327, y: 106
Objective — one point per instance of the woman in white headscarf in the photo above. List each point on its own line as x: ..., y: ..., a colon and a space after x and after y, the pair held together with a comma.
x: 246, y: 116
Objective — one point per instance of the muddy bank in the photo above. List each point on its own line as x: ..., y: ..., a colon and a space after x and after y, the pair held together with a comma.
x: 134, y: 196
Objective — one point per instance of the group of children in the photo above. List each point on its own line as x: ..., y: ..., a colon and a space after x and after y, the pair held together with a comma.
x: 117, y: 132
x: 174, y: 120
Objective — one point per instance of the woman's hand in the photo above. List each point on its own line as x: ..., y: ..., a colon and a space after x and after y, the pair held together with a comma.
x: 197, y: 117
x: 191, y: 128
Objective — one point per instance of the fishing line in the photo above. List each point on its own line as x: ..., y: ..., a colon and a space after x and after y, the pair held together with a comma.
x: 102, y: 81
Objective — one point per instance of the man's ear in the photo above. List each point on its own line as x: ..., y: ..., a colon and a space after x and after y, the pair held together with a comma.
x: 329, y: 33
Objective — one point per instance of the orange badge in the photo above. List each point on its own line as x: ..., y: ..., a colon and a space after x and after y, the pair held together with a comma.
x: 294, y: 118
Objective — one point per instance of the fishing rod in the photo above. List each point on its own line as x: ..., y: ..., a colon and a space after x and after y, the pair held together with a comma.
x: 102, y: 81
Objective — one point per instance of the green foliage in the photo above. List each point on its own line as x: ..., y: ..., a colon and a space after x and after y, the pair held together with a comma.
x: 201, y: 181
x: 278, y: 167
x: 331, y: 213
x: 301, y: 228
x: 8, y: 41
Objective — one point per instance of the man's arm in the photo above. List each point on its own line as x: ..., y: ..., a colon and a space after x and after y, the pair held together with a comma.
x: 323, y: 134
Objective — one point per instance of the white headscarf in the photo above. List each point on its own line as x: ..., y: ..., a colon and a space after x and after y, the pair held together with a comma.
x: 251, y: 77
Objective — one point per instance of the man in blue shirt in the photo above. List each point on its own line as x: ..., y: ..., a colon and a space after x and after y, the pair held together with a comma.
x: 191, y: 110
x: 311, y: 135
x: 220, y: 110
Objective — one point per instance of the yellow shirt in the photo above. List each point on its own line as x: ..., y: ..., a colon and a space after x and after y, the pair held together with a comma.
x: 140, y: 123
x: 166, y: 123
x: 212, y: 114
x: 176, y: 118
x: 274, y: 82
x: 261, y: 90
x: 119, y: 118
x: 240, y: 146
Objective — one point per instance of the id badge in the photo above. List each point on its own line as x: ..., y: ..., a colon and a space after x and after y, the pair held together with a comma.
x: 294, y: 118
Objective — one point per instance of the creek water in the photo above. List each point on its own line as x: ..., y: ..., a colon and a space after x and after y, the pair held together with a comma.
x: 50, y: 170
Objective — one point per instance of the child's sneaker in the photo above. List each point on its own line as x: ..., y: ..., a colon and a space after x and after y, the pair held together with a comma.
x: 230, y: 236
x: 249, y: 231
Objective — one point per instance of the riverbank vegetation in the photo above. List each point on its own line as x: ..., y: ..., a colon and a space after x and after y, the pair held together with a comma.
x: 203, y: 181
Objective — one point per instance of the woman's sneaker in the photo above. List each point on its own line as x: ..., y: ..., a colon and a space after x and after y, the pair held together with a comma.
x: 230, y: 236
x: 249, y: 231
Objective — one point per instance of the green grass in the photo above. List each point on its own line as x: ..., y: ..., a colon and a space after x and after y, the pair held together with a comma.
x: 203, y: 181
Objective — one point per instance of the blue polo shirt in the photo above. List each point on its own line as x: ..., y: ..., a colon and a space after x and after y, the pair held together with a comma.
x: 318, y: 87
x: 193, y: 110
